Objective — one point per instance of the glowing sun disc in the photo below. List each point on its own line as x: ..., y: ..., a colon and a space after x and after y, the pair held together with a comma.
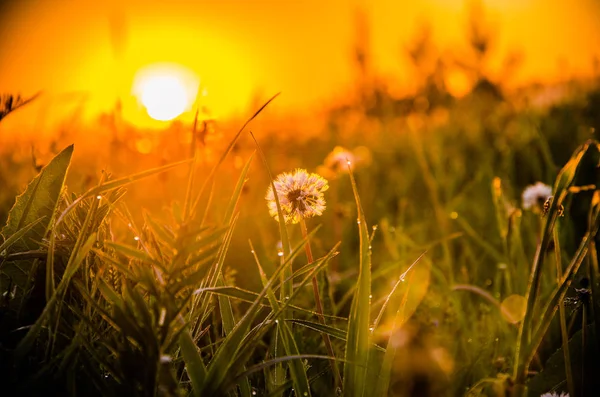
x: 165, y: 91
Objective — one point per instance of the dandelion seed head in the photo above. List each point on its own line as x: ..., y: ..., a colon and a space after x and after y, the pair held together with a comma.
x: 534, y: 196
x: 300, y: 195
x: 339, y: 160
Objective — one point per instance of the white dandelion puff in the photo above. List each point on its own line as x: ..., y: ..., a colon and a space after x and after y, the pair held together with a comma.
x: 534, y: 196
x: 300, y: 195
x: 555, y: 394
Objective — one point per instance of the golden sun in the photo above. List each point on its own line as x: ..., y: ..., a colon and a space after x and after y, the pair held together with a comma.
x: 165, y: 91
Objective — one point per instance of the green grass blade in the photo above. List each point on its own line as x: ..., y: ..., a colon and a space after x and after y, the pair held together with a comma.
x: 297, y: 371
x: 35, y: 208
x: 193, y: 362
x: 564, y: 180
x: 358, y: 342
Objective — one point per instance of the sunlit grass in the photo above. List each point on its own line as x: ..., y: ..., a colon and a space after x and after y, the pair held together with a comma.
x: 425, y: 273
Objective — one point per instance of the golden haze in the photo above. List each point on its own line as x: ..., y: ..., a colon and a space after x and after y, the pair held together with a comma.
x: 88, y: 52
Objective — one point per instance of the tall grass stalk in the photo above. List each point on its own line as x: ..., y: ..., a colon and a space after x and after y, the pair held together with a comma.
x: 563, y: 318
x: 531, y: 336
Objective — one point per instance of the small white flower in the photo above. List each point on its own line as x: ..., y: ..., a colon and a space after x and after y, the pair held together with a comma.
x: 534, y: 196
x: 555, y: 394
x: 300, y: 195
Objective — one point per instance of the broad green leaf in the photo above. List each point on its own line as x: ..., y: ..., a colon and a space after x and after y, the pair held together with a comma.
x: 39, y: 200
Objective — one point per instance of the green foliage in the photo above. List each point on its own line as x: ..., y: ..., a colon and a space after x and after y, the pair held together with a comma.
x: 31, y: 216
x: 171, y: 303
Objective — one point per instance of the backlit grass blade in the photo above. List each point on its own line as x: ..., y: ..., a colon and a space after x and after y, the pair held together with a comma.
x: 193, y: 362
x: 235, y: 197
x: 115, y: 184
x: 358, y: 342
x: 564, y: 180
x: 287, y: 286
x: 223, y: 362
x: 226, y: 152
x: 13, y: 238
x: 250, y: 296
x: 297, y: 372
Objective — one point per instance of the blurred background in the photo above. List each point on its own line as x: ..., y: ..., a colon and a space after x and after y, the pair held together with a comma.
x: 87, y: 53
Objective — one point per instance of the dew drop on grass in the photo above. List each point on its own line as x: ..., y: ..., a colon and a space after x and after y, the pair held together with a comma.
x: 136, y: 238
x: 369, y: 247
x: 370, y: 296
x: 99, y: 197
x: 305, y: 393
x: 358, y: 221
x: 251, y: 251
x: 279, y: 253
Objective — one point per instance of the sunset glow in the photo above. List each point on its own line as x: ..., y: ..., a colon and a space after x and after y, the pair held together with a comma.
x: 165, y: 93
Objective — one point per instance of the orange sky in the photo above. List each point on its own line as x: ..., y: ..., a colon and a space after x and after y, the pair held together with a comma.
x: 242, y: 49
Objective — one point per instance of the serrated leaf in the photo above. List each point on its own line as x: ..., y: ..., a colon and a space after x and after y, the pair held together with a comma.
x: 39, y: 201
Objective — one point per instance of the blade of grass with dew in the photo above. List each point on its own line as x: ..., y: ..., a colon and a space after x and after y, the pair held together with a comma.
x: 77, y: 257
x: 563, y: 181
x: 329, y: 330
x: 250, y: 296
x: 394, y: 288
x: 297, y: 371
x: 191, y: 171
x: 286, y: 287
x: 200, y: 300
x: 163, y: 233
x: 562, y: 317
x: 195, y: 368
x: 224, y: 359
x: 416, y: 287
x: 227, y: 318
x: 253, y: 337
x: 224, y: 155
x: 15, y: 237
x: 115, y: 184
x: 359, y: 334
x: 559, y: 292
x: 35, y: 208
x: 83, y: 245
x: 258, y: 332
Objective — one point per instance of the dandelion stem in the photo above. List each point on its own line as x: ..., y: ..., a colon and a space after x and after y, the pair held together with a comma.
x: 315, y: 284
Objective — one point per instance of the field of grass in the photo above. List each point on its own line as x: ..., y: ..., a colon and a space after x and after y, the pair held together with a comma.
x: 425, y: 275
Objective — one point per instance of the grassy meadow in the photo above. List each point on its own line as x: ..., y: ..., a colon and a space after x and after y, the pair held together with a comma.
x: 147, y: 264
